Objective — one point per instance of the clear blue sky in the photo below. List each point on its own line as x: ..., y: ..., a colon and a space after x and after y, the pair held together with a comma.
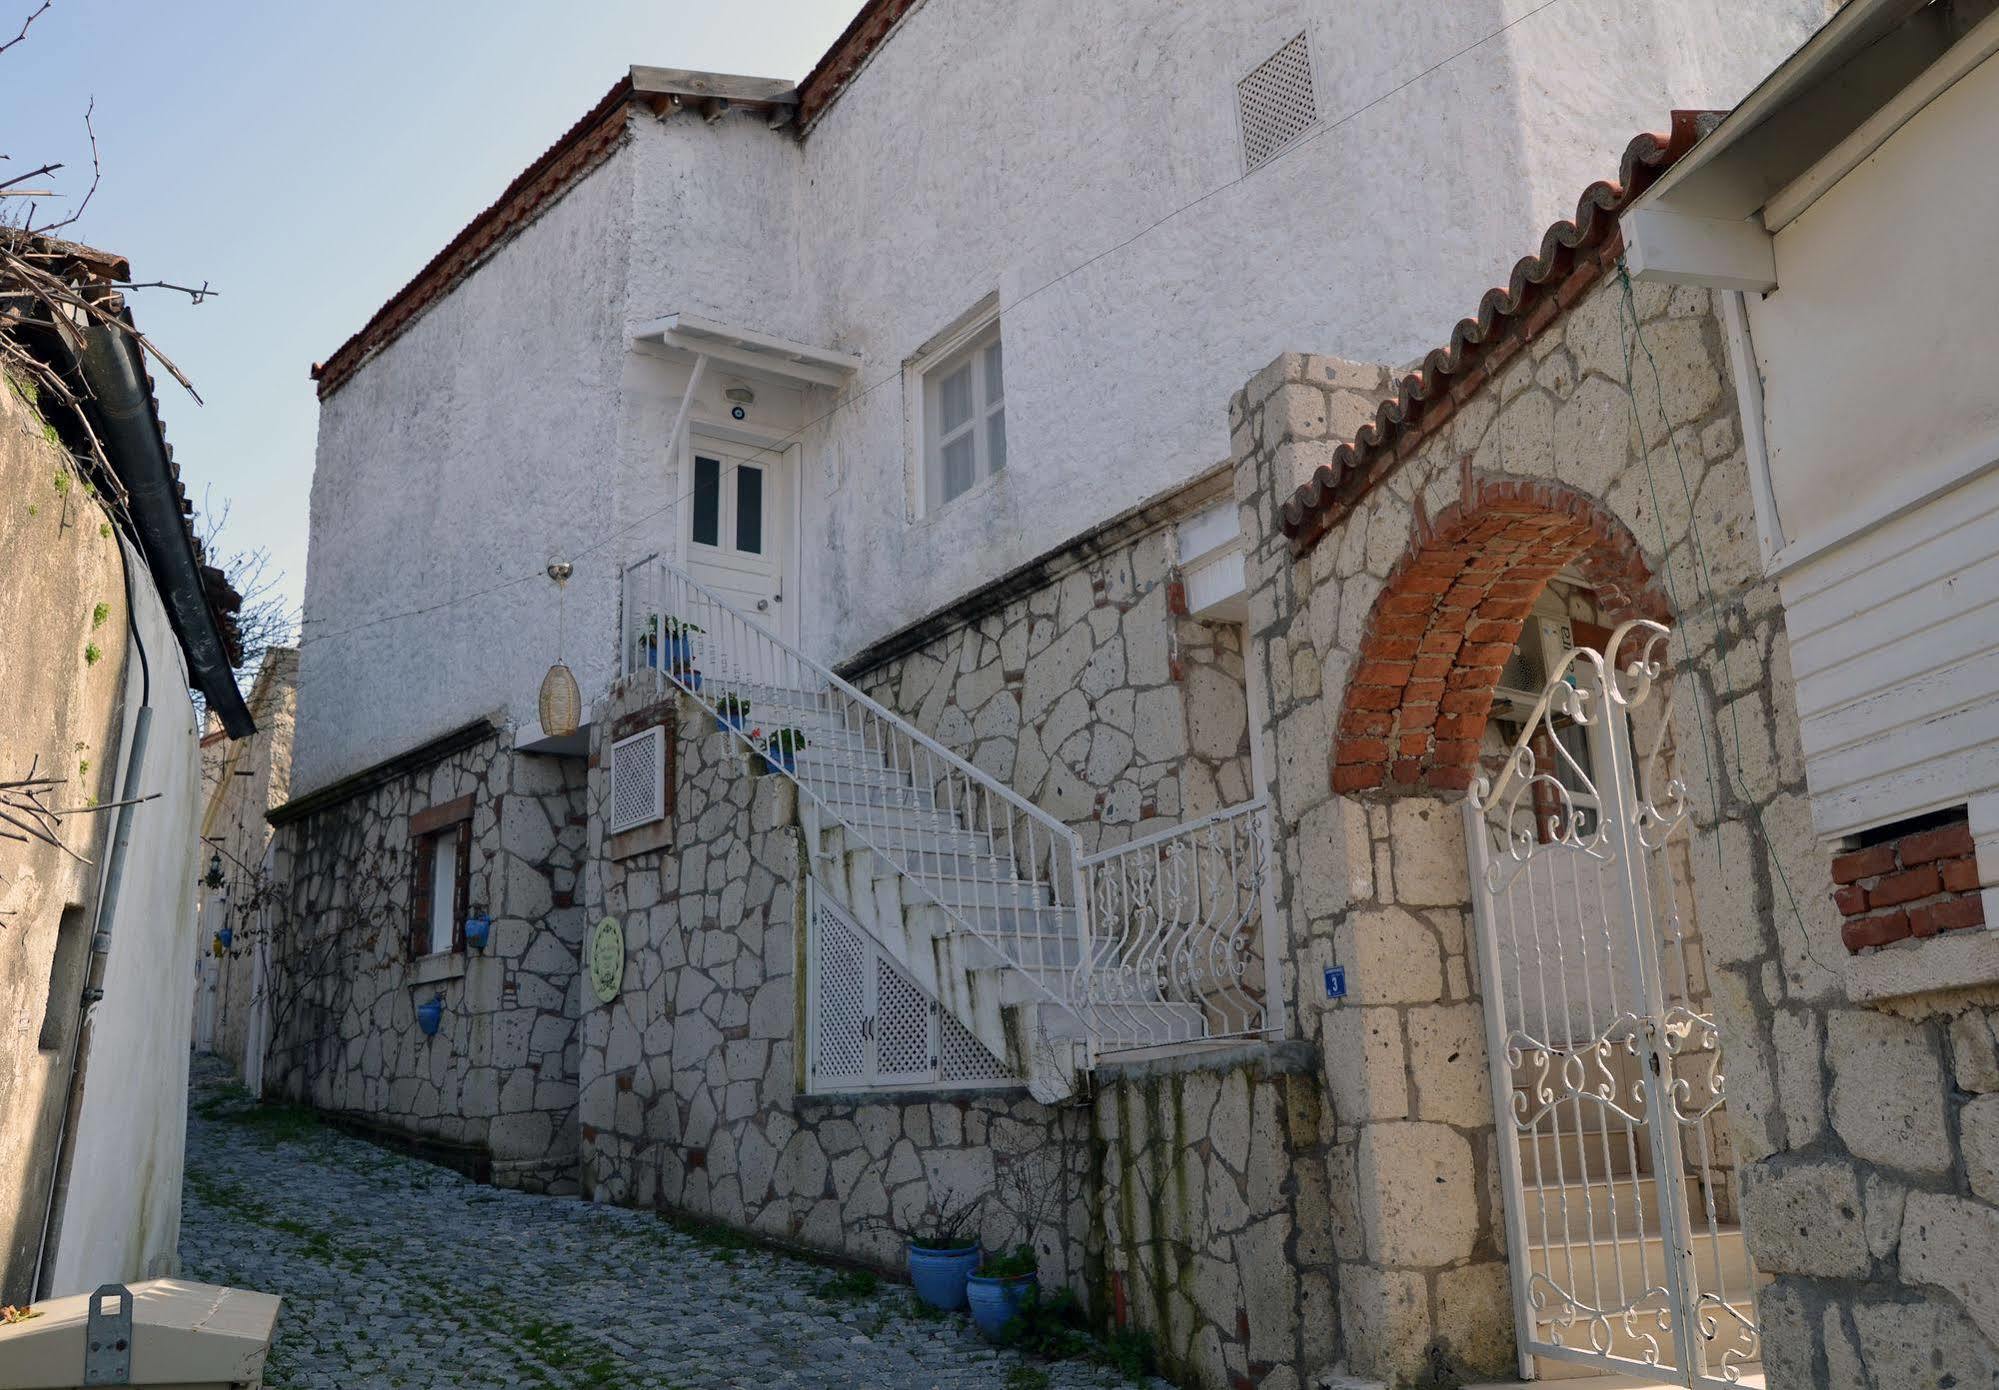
x: 307, y: 159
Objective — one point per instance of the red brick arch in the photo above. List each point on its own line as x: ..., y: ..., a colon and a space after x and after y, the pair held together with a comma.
x: 1446, y: 621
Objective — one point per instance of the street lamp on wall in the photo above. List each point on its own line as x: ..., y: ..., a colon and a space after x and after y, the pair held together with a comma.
x: 213, y: 878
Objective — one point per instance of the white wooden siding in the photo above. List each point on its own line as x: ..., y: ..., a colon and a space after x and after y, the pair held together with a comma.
x: 1895, y: 647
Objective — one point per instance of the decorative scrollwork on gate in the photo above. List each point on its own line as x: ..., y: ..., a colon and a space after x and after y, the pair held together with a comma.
x: 1570, y: 1075
x: 1723, y: 1325
x: 1561, y: 1311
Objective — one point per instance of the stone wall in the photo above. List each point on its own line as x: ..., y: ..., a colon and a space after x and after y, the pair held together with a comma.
x: 1089, y: 694
x: 1862, y: 1136
x: 1185, y: 1198
x: 496, y: 1086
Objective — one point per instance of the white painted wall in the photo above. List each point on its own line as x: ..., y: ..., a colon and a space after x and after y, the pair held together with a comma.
x: 991, y: 146
x: 471, y: 451
x: 1029, y: 136
x: 122, y: 1218
x: 1882, y: 424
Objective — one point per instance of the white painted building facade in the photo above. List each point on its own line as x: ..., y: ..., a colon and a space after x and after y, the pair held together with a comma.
x: 1087, y: 192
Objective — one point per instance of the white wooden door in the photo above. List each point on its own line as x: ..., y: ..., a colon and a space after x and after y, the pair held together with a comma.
x: 739, y: 527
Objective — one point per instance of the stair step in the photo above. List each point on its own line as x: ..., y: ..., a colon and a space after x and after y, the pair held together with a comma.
x: 954, y: 891
x: 895, y: 839
x: 1625, y: 1204
x: 1571, y: 1156
x: 1642, y: 1260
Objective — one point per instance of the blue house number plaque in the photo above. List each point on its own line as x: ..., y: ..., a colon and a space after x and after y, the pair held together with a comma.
x: 1336, y: 982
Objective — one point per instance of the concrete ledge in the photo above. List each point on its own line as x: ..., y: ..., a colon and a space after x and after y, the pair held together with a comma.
x: 1288, y: 1058
x: 1900, y: 976
x: 923, y: 1095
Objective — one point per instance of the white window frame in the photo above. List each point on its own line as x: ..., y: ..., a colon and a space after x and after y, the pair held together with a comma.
x: 964, y: 346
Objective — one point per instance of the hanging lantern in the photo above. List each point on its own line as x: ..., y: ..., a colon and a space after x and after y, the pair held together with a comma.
x: 561, y: 701
x: 213, y: 878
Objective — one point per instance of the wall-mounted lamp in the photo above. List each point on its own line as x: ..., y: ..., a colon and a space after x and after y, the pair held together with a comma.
x: 214, y: 876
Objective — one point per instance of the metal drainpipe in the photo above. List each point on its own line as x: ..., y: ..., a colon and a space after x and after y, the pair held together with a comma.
x: 100, y: 955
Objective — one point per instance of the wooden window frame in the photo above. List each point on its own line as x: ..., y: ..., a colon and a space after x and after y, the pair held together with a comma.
x: 427, y: 828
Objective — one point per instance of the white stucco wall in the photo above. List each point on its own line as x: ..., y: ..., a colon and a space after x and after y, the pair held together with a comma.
x: 1900, y: 252
x: 122, y: 1217
x: 475, y: 448
x: 1028, y: 136
x: 1883, y: 429
x: 991, y: 146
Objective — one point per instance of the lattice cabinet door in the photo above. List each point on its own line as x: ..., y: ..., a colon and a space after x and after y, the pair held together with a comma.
x: 841, y: 1016
x: 872, y: 1027
x: 905, y: 1028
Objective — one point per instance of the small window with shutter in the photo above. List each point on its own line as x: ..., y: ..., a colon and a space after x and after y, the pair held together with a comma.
x: 441, y: 881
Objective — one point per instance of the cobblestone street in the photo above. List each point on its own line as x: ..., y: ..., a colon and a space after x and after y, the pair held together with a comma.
x: 396, y: 1273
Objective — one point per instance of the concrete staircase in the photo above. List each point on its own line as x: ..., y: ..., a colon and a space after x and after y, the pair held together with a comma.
x: 1048, y: 957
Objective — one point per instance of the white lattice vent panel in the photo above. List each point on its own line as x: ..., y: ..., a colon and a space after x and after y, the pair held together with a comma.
x: 1277, y: 103
x: 873, y: 1027
x: 638, y: 780
x: 841, y: 1044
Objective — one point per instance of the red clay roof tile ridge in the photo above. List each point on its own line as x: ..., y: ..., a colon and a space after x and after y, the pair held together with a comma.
x: 1450, y: 373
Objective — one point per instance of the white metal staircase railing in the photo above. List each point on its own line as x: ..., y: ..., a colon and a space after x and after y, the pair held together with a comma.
x: 1145, y: 945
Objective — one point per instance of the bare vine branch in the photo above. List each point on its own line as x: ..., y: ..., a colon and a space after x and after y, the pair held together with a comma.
x: 42, y: 10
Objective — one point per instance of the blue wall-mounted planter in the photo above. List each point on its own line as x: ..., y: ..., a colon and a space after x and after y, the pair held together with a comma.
x: 429, y: 1014
x: 477, y: 929
x: 227, y: 936
x: 996, y: 1302
x: 781, y: 760
x: 678, y: 653
x: 690, y: 679
x: 724, y: 720
x: 940, y: 1275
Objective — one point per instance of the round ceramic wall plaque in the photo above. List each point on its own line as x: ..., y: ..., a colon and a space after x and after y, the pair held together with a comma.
x: 606, y: 959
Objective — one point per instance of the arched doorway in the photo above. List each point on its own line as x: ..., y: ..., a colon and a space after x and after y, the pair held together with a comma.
x: 1521, y: 653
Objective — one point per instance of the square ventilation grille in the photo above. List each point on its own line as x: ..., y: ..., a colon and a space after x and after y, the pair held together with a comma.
x: 1276, y: 103
x: 638, y: 780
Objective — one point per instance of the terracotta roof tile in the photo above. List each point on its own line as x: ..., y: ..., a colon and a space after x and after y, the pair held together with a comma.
x: 1572, y: 257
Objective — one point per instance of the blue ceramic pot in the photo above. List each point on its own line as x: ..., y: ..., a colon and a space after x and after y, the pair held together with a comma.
x: 728, y: 721
x: 677, y: 654
x: 781, y: 760
x: 940, y: 1275
x: 996, y: 1302
x: 227, y: 935
x: 477, y: 929
x: 690, y: 679
x: 429, y: 1014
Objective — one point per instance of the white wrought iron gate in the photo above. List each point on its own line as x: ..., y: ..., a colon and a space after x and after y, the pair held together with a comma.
x: 1619, y: 1187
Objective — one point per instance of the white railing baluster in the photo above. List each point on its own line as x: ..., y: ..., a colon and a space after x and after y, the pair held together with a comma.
x: 1138, y: 955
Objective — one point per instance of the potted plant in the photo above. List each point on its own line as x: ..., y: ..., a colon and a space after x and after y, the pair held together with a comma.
x: 730, y: 711
x: 679, y: 650
x: 645, y: 643
x: 944, y: 1250
x: 429, y: 1014
x: 227, y: 936
x: 1000, y: 1287
x: 477, y: 928
x: 689, y: 678
x: 781, y: 750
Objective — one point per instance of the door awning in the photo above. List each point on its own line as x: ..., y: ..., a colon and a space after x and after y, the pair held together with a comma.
x: 751, y: 351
